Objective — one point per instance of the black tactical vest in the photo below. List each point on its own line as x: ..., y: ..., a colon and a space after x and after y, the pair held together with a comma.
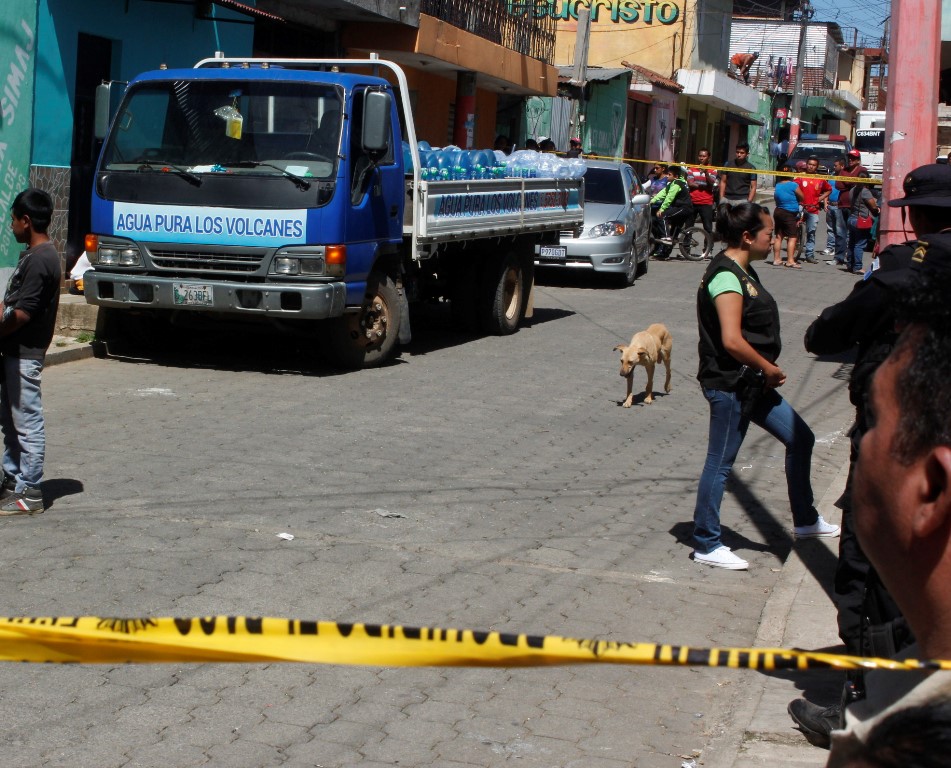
x: 759, y: 324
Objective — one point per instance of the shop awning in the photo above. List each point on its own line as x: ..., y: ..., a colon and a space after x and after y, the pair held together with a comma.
x: 732, y: 117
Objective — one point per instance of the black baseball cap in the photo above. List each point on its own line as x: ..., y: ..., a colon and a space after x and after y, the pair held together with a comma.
x: 927, y: 185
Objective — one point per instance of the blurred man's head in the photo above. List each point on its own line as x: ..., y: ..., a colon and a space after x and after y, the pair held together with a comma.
x: 927, y: 197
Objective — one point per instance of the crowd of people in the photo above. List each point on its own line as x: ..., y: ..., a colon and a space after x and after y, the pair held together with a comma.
x: 800, y: 194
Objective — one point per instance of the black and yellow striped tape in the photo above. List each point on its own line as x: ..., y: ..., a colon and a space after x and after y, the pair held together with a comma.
x: 758, y: 171
x: 243, y: 639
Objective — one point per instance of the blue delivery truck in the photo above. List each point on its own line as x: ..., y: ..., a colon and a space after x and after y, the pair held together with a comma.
x: 292, y: 192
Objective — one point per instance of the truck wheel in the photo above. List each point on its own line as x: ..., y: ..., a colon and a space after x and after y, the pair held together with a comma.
x: 122, y: 331
x: 367, y: 338
x: 504, y: 292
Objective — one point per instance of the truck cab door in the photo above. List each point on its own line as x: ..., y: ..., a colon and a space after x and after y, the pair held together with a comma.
x: 376, y: 179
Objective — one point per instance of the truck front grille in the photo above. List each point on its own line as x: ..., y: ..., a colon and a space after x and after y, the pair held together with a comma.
x: 203, y: 261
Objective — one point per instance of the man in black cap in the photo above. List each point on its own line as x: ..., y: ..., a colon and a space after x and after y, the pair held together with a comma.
x: 869, y: 621
x: 903, y: 502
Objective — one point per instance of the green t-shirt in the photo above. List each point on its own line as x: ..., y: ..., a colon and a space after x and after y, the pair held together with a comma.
x: 724, y: 282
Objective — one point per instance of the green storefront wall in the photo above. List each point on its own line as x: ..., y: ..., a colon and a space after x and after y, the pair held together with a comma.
x: 17, y: 53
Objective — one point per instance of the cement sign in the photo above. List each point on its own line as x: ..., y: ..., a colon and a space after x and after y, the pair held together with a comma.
x: 613, y: 11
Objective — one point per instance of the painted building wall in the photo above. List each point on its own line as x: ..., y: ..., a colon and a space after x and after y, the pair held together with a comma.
x: 143, y: 34
x: 709, y: 45
x: 651, y: 34
x: 606, y: 118
x: 663, y: 119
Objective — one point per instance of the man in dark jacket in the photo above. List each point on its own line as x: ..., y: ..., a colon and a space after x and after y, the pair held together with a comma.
x: 27, y: 322
x: 869, y: 622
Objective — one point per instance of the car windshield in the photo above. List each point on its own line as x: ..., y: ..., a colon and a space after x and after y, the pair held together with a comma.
x: 826, y: 154
x: 242, y: 127
x: 604, y: 185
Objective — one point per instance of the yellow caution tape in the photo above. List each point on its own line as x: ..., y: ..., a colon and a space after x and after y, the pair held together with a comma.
x: 727, y: 169
x: 233, y: 639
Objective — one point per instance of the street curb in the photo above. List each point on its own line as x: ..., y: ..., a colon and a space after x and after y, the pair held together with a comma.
x: 69, y: 355
x: 771, y: 633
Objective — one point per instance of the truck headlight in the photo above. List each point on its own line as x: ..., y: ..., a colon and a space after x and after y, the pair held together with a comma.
x: 108, y: 257
x: 292, y: 261
x: 129, y: 257
x: 111, y: 256
x: 285, y: 265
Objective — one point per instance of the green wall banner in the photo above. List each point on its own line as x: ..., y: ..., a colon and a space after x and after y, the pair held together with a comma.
x: 17, y: 52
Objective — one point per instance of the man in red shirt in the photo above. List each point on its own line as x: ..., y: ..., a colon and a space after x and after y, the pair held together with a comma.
x: 701, y: 182
x: 814, y: 194
x: 743, y: 63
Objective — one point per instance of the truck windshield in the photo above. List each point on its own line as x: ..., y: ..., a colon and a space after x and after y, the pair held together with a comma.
x: 269, y: 128
x: 870, y: 140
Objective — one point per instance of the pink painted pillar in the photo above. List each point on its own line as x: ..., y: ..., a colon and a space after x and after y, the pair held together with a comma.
x: 911, y: 119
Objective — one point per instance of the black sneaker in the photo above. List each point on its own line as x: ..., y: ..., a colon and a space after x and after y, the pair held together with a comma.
x: 30, y: 502
x: 815, y: 722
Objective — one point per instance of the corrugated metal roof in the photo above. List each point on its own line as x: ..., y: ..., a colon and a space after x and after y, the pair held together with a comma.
x: 778, y: 46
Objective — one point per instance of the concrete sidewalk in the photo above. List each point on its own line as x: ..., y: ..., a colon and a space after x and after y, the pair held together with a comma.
x: 799, y: 614
x: 75, y: 320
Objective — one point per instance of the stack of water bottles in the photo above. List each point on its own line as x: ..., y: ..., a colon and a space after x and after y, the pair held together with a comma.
x: 455, y: 164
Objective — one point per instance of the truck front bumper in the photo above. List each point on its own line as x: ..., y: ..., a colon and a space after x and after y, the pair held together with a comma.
x: 307, y: 301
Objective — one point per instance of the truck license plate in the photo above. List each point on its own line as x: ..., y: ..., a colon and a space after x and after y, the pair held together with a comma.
x: 553, y: 252
x: 192, y: 295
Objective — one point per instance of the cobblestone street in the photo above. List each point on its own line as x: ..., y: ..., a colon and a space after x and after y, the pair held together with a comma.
x: 530, y: 501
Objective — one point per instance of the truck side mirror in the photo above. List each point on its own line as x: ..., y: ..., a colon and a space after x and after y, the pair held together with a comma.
x: 377, y: 106
x: 103, y: 103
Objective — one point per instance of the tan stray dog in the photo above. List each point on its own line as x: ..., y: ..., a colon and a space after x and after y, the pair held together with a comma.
x: 647, y: 348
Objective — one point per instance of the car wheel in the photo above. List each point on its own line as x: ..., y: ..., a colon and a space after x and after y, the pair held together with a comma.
x: 642, y: 265
x: 629, y: 275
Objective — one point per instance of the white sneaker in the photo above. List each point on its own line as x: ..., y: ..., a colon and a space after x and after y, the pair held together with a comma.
x: 818, y: 530
x: 722, y: 557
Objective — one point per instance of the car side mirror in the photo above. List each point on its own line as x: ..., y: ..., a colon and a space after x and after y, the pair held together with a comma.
x: 641, y: 199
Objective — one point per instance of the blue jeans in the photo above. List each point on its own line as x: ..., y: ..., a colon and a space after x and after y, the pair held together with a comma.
x: 835, y: 229
x: 858, y: 238
x: 21, y: 419
x: 727, y: 430
x: 811, y: 220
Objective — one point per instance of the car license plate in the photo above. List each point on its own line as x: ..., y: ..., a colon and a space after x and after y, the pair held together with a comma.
x: 553, y: 252
x: 192, y: 295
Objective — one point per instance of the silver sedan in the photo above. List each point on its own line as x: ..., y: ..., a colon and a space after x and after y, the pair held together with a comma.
x: 616, y: 233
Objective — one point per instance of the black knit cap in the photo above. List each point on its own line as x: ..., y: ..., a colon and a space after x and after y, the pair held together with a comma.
x: 927, y: 185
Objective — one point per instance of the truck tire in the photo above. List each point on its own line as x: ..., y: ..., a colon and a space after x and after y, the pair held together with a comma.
x: 504, y: 292
x: 122, y: 332
x: 367, y: 338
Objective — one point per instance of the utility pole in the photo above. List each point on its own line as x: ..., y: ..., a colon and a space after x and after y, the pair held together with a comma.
x: 911, y: 122
x: 795, y: 110
x: 580, y: 73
